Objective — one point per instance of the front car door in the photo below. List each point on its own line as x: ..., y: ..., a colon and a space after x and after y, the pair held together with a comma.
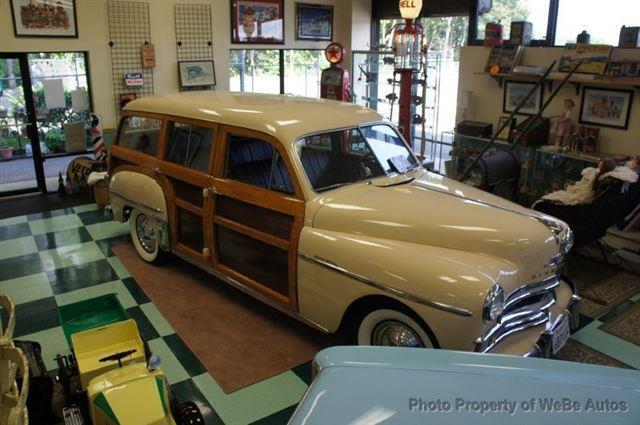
x: 257, y: 213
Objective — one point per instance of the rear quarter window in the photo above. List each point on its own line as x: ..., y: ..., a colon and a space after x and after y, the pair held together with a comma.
x: 140, y: 134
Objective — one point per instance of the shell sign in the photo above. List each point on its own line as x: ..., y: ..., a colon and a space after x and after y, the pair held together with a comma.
x: 410, y: 9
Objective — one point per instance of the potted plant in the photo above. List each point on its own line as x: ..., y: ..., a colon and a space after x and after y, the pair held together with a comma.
x: 6, y: 150
x: 55, y: 141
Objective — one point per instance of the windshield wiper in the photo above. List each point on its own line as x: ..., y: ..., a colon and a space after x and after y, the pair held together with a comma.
x: 333, y: 186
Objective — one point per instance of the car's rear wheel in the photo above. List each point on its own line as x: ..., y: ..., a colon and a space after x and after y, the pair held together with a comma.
x: 392, y: 328
x: 145, y: 238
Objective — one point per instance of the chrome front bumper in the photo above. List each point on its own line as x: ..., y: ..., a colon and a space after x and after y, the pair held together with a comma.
x: 543, y: 347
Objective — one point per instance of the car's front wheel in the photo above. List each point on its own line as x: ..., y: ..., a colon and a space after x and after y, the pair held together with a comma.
x: 392, y: 328
x: 145, y: 238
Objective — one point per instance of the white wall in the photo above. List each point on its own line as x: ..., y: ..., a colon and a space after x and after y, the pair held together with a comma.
x: 94, y: 37
x: 487, y: 96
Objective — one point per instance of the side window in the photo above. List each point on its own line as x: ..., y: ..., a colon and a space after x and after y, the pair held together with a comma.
x: 258, y: 163
x: 190, y: 146
x: 140, y: 134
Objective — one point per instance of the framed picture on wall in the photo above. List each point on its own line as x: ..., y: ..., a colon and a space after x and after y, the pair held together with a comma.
x: 314, y: 22
x: 515, y: 91
x: 606, y: 107
x: 257, y: 21
x: 44, y: 18
x: 197, y: 73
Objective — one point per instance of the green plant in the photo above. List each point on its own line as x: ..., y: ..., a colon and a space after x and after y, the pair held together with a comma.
x: 55, y: 140
x: 14, y: 141
x: 4, y: 144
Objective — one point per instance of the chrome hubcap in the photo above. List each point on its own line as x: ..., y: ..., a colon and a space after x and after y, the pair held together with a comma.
x: 145, y: 233
x: 395, y: 334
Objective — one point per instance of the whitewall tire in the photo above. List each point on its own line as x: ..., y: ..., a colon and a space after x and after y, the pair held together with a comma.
x: 145, y: 238
x: 388, y: 327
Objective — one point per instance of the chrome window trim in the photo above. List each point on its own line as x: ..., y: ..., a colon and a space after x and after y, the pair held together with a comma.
x: 388, y: 289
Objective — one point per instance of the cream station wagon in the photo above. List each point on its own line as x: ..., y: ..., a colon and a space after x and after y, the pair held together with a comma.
x: 320, y: 209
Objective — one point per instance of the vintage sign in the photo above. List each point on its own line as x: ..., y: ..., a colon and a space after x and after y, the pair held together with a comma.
x: 133, y: 79
x: 410, y: 9
x: 148, y: 55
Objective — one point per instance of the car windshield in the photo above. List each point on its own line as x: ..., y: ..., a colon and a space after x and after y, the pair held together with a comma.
x: 340, y: 157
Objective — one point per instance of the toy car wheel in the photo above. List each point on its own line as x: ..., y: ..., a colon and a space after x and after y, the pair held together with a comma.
x: 189, y: 414
x: 145, y: 238
x: 392, y: 328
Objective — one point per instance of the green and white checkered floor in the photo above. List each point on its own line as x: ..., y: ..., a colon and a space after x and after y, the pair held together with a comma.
x: 63, y: 256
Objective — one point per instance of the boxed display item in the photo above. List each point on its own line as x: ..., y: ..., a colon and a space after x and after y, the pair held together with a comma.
x: 624, y: 68
x: 538, y: 133
x: 594, y: 58
x: 493, y: 34
x: 502, y: 59
x: 475, y: 128
x: 521, y: 33
x: 629, y: 37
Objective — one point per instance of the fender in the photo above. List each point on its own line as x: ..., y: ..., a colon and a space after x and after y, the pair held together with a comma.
x: 446, y: 285
x: 133, y: 187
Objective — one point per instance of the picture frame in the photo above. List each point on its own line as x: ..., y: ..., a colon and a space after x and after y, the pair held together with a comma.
x: 314, y: 22
x: 606, y: 107
x: 257, y: 21
x: 513, y: 93
x: 41, y: 18
x: 197, y: 73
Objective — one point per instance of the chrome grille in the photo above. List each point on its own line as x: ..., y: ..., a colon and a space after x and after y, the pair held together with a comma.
x: 524, y: 308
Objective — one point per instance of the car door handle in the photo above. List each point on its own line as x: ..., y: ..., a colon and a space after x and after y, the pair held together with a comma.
x: 158, y: 170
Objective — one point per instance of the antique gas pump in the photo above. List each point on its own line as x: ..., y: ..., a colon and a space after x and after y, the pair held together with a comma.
x: 334, y: 81
x: 408, y: 50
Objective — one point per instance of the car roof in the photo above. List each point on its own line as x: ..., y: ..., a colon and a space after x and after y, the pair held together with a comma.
x: 283, y: 116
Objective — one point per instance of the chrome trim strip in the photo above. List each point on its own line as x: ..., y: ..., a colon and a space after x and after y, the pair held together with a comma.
x: 113, y: 192
x: 515, y: 330
x: 250, y: 291
x: 385, y: 288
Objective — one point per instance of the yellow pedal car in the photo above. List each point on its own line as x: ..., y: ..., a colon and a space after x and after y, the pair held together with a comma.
x: 111, y: 378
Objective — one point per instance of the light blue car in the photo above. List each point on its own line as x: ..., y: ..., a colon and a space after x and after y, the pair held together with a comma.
x: 381, y: 385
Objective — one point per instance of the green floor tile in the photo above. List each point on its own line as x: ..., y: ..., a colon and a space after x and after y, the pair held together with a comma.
x: 28, y: 288
x: 188, y: 360
x: 169, y: 363
x: 52, y: 342
x: 13, y: 220
x: 16, y: 247
x: 107, y: 229
x: 94, y: 291
x: 77, y: 235
x: 85, y: 208
x: 71, y: 255
x: 254, y: 402
x: 156, y: 319
x: 119, y: 268
x: 55, y: 224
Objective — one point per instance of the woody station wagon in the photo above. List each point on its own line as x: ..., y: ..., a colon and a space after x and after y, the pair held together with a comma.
x: 320, y: 209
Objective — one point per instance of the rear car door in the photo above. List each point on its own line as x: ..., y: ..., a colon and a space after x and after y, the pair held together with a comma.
x: 187, y: 163
x: 257, y: 213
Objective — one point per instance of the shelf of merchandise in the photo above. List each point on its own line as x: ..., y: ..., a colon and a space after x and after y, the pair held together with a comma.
x: 576, y: 80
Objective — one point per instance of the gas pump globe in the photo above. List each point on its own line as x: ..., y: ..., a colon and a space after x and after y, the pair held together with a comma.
x: 408, y: 51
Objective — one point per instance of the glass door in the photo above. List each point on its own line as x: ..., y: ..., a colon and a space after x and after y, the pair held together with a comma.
x: 20, y: 158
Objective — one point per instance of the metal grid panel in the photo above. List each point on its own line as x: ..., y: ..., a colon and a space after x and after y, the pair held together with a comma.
x: 129, y: 29
x: 193, y: 34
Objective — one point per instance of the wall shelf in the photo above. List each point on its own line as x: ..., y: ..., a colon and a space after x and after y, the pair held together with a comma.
x: 576, y: 80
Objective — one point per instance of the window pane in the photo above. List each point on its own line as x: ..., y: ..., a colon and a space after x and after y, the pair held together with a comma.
x: 505, y: 11
x: 574, y: 16
x: 391, y: 151
x: 302, y: 70
x: 140, y: 134
x: 256, y: 71
x: 249, y: 161
x: 280, y: 178
x: 190, y: 146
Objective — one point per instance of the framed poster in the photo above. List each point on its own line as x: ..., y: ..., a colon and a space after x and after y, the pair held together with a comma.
x: 44, y: 18
x: 257, y: 21
x: 314, y: 22
x: 592, y: 58
x: 515, y: 91
x: 196, y: 73
x: 606, y: 107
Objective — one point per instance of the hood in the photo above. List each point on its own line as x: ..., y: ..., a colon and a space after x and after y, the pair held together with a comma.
x: 433, y: 210
x: 141, y: 401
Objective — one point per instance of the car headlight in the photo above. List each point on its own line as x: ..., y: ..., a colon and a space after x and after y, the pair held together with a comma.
x: 493, y: 304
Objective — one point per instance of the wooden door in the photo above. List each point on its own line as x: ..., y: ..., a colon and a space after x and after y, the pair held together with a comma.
x: 257, y: 214
x: 187, y: 162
